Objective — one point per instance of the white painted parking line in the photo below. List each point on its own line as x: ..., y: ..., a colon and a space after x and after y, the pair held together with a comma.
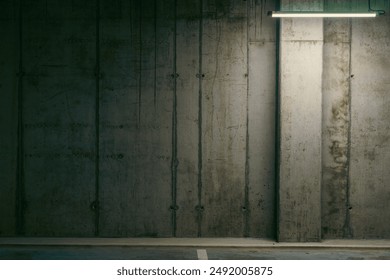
x: 202, y: 254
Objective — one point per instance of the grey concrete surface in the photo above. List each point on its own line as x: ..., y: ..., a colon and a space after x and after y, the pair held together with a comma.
x: 9, y: 100
x: 224, y: 90
x: 370, y: 134
x: 261, y: 122
x: 354, y: 147
x: 189, y: 116
x: 58, y: 119
x: 300, y: 83
x: 136, y: 107
x: 355, y: 190
x: 336, y: 128
x: 135, y: 118
x: 145, y: 119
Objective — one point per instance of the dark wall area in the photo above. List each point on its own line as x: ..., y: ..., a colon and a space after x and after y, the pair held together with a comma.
x: 137, y: 118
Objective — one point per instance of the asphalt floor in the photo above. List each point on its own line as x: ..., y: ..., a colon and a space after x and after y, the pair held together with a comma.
x: 189, y: 249
x: 184, y: 253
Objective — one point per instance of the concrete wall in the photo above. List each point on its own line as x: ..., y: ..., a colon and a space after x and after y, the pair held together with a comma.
x: 158, y: 118
x: 356, y: 131
x: 370, y: 130
x: 350, y: 159
x: 137, y: 118
x: 300, y: 83
x: 336, y: 127
x: 9, y: 98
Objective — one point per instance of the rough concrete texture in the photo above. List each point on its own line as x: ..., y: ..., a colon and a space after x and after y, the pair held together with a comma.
x: 370, y: 128
x: 234, y: 97
x: 354, y: 129
x: 58, y: 119
x: 300, y: 83
x: 224, y: 105
x: 336, y: 128
x: 139, y: 118
x: 260, y: 178
x: 189, y: 60
x: 355, y: 192
x: 157, y: 119
x: 136, y: 107
x: 9, y: 68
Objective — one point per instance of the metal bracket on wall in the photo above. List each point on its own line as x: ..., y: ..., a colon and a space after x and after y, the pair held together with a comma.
x: 379, y: 12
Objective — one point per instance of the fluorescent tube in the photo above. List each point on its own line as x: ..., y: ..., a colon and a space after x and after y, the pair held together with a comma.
x: 321, y: 15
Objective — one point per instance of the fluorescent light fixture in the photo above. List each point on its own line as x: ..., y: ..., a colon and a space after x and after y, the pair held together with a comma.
x: 306, y: 14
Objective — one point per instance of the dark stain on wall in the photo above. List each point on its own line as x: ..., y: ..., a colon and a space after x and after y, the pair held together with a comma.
x: 337, y: 172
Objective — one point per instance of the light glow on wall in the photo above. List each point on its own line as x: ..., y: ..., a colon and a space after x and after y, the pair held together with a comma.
x: 321, y: 15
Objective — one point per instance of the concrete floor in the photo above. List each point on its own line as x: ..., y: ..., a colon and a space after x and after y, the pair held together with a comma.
x: 188, y: 249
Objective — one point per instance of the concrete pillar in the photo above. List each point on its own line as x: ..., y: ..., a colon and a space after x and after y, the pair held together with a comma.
x: 336, y: 128
x: 300, y: 83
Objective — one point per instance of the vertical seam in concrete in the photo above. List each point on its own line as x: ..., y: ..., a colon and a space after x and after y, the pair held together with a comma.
x: 321, y: 130
x: 140, y: 67
x: 200, y: 108
x: 320, y: 141
x: 322, y: 123
x: 174, y: 126
x: 347, y: 226
x: 46, y: 11
x: 20, y: 191
x: 246, y: 188
x: 97, y: 120
x: 277, y: 125
x: 263, y: 6
x: 155, y: 56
